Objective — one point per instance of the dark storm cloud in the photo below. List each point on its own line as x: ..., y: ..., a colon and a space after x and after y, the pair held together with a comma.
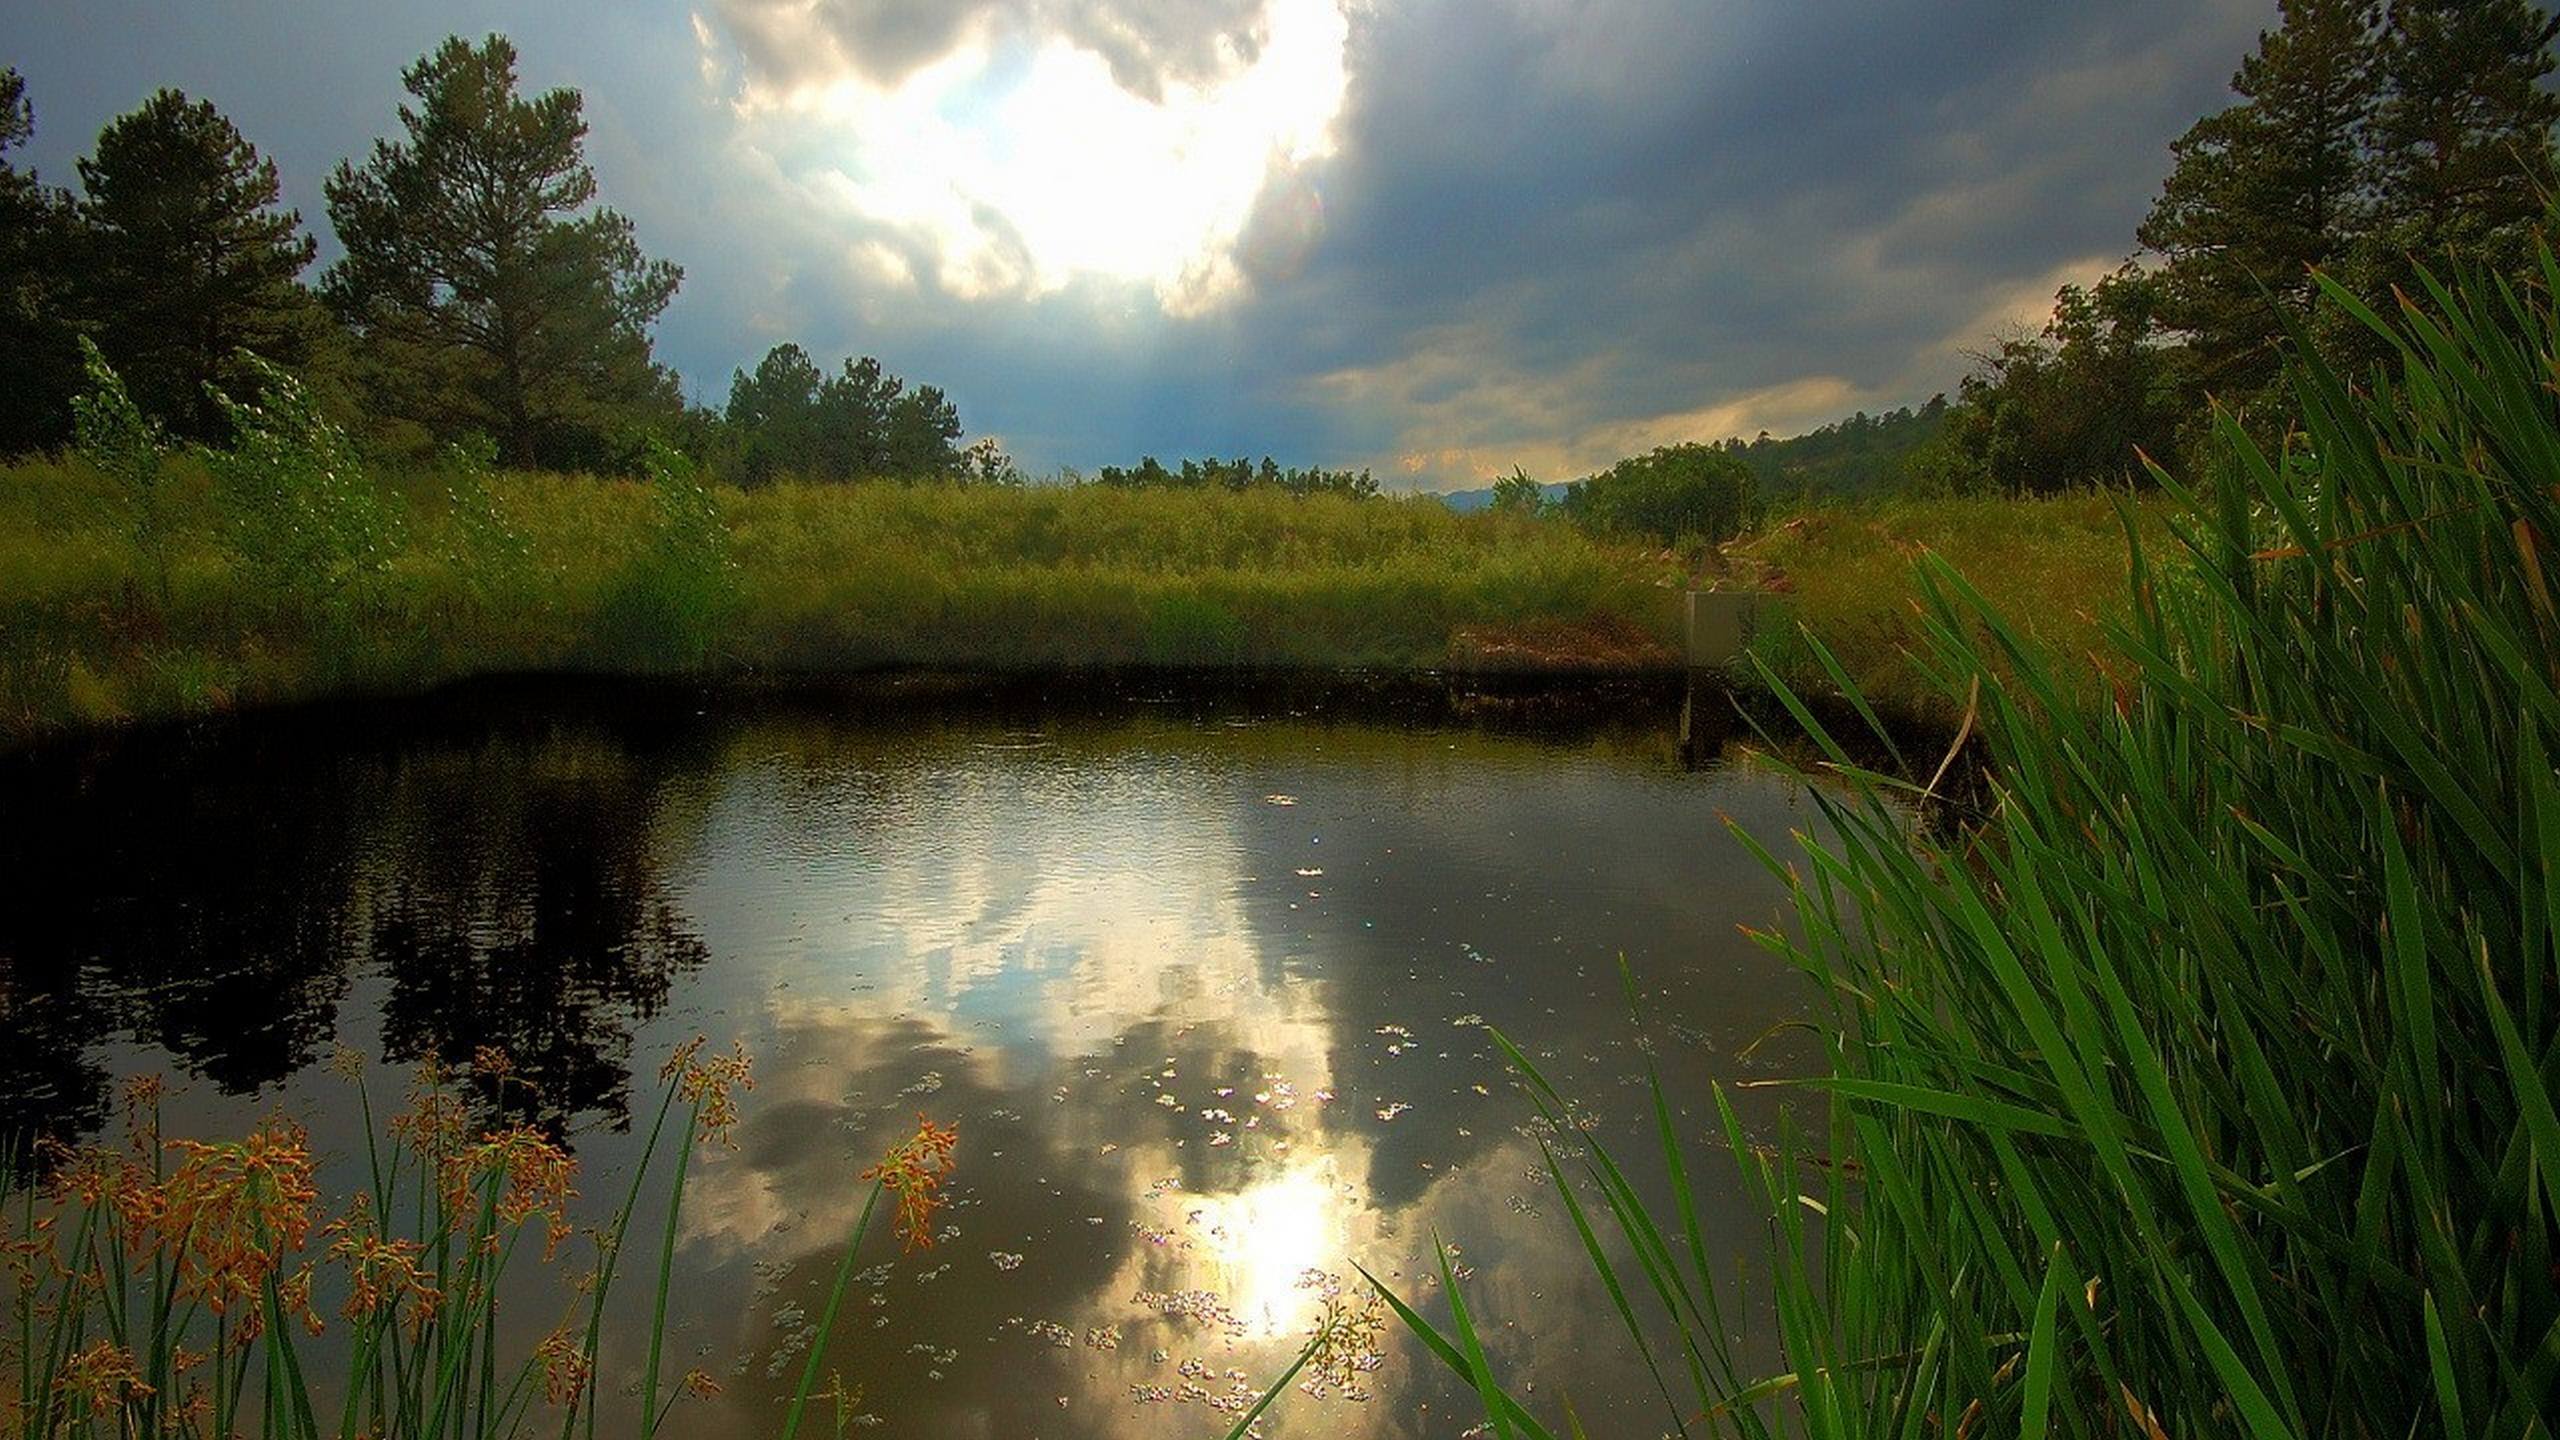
x: 1555, y: 232
x: 1145, y: 42
x: 1652, y: 208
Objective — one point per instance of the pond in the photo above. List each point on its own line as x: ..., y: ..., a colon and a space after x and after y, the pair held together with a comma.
x: 1201, y: 975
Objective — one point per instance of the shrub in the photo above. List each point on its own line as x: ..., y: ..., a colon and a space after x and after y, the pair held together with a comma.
x: 305, y: 521
x: 668, y: 605
x: 1517, y: 494
x: 488, y: 553
x: 1193, y: 630
x: 1671, y: 494
x: 114, y: 435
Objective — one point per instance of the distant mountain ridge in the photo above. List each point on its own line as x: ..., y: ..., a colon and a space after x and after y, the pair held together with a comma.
x: 1467, y: 502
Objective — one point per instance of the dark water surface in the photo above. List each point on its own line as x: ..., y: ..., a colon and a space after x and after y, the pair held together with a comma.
x: 1200, y: 977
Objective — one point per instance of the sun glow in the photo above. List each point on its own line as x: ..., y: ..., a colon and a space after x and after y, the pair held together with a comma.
x: 1265, y: 1240
x: 1017, y: 163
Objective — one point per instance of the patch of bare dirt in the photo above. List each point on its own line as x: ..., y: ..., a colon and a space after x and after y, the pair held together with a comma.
x: 1607, y: 643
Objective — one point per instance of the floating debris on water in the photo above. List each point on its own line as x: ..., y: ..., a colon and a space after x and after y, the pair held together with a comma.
x: 1201, y: 1307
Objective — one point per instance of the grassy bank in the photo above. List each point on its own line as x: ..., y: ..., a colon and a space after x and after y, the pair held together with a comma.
x: 832, y: 577
x: 1845, y: 570
x: 533, y: 572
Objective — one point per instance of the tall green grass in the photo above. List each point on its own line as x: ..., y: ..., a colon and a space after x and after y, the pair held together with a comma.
x: 2195, y: 1076
x: 2052, y: 564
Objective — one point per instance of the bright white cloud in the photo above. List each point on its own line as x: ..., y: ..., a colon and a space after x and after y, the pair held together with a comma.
x: 1022, y: 158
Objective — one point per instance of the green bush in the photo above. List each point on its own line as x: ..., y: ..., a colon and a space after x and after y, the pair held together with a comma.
x: 114, y: 435
x: 306, y: 523
x: 667, y: 607
x: 1193, y: 630
x: 488, y: 553
x: 1671, y: 494
x: 1517, y: 494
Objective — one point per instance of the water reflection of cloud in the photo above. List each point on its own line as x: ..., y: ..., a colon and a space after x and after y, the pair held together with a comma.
x: 1165, y: 1011
x: 1039, y: 904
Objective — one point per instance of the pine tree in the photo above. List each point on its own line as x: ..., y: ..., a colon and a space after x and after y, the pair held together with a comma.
x: 922, y: 437
x: 2266, y: 189
x: 189, y: 259
x: 861, y: 423
x: 39, y: 355
x: 486, y: 293
x: 774, y: 412
x: 2463, y: 142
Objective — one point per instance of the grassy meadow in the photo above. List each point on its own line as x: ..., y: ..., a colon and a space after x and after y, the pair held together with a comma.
x: 100, y: 622
x: 813, y: 578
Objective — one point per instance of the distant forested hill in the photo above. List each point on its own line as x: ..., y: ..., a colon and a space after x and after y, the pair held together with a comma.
x: 1857, y: 456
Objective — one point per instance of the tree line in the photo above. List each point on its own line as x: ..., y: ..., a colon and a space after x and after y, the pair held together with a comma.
x: 2366, y: 143
x: 483, y: 292
x: 1237, y: 474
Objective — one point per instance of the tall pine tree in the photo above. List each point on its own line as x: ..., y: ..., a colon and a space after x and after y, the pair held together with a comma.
x: 2463, y: 154
x: 774, y: 414
x: 188, y: 259
x: 486, y: 294
x: 39, y: 354
x: 2266, y: 189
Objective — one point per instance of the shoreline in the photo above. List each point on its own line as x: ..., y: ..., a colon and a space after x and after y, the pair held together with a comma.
x: 1698, y: 716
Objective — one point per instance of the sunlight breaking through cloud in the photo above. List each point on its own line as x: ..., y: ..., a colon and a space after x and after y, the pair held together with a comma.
x: 1012, y: 150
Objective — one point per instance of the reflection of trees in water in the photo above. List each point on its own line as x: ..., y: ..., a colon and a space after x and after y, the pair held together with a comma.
x: 205, y: 893
x: 187, y: 894
x: 517, y: 903
x: 49, y: 1086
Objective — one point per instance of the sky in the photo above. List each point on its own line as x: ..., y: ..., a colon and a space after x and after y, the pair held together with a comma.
x: 1434, y: 238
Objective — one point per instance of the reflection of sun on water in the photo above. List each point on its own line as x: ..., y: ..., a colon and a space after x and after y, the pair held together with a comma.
x: 1158, y: 1197
x: 1259, y: 1244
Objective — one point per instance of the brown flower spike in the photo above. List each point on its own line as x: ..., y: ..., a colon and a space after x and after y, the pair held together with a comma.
x: 914, y: 1172
x: 231, y: 1212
